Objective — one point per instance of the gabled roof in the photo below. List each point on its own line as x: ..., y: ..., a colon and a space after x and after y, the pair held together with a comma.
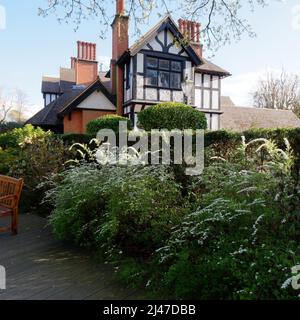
x: 209, y: 67
x: 53, y: 113
x: 166, y: 23
x: 48, y: 115
x: 95, y: 86
x: 226, y: 101
x: 244, y: 118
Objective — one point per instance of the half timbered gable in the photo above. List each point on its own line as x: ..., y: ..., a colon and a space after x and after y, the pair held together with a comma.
x: 155, y: 67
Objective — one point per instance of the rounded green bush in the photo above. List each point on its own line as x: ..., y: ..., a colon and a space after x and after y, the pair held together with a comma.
x: 106, y: 122
x: 171, y: 115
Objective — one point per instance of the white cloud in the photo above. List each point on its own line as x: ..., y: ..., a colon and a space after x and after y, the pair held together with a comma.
x: 296, y: 17
x: 105, y: 61
x: 239, y: 87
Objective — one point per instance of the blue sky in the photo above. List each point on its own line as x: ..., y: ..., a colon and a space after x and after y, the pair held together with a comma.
x: 32, y: 46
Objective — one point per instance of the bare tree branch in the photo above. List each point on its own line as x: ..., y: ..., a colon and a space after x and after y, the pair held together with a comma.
x: 278, y: 92
x: 6, y: 105
x: 221, y: 20
x: 12, y: 105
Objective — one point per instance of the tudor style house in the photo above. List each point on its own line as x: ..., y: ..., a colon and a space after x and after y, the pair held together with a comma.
x: 166, y: 64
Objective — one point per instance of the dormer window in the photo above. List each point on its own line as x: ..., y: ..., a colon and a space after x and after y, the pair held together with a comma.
x: 163, y: 73
x: 49, y: 97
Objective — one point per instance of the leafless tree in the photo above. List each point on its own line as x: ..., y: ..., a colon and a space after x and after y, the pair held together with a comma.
x: 222, y: 20
x: 12, y: 105
x: 6, y: 105
x: 18, y: 113
x: 278, y: 92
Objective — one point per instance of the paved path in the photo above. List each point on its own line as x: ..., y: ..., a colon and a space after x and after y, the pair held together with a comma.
x: 39, y: 267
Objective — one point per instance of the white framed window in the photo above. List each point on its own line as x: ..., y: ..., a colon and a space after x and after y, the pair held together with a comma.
x: 214, y: 122
x: 215, y: 82
x: 206, y: 99
x: 206, y: 81
x: 207, y: 115
x: 215, y: 100
x: 135, y: 121
x: 198, y: 98
x: 198, y: 79
x: 210, y: 88
x: 47, y: 99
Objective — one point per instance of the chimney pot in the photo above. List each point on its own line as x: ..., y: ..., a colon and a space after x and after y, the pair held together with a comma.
x: 191, y: 30
x: 78, y: 49
x: 86, y: 50
x: 90, y: 51
x: 198, y: 25
x: 73, y: 61
x: 183, y: 27
x: 120, y: 7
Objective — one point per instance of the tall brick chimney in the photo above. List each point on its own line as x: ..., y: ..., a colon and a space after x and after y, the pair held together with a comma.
x: 120, y: 44
x: 85, y: 65
x: 191, y: 31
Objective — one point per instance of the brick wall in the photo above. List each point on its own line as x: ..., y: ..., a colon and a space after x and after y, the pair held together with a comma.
x: 78, y: 119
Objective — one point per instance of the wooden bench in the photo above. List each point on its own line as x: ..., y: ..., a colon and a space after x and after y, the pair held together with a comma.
x: 10, y: 192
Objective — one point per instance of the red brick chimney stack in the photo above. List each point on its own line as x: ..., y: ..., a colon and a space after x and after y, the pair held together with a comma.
x: 120, y: 43
x: 85, y: 65
x: 120, y: 7
x: 86, y: 51
x: 191, y: 30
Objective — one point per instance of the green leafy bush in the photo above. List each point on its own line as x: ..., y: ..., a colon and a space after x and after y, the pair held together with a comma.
x: 129, y: 208
x: 37, y: 161
x: 19, y: 136
x: 240, y: 242
x: 79, y: 204
x: 144, y: 204
x: 232, y: 233
x: 7, y: 158
x: 171, y: 115
x: 224, y: 143
x: 106, y: 122
x: 71, y: 138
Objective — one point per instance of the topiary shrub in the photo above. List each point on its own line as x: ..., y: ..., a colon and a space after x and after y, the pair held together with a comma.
x: 106, y: 122
x: 171, y: 115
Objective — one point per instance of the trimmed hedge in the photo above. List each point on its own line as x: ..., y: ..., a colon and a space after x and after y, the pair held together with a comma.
x: 106, y: 122
x: 222, y: 137
x: 8, y: 126
x: 170, y: 115
x: 71, y: 138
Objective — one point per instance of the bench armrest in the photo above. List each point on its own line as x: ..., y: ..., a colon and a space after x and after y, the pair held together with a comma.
x: 4, y: 198
x: 8, y: 197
